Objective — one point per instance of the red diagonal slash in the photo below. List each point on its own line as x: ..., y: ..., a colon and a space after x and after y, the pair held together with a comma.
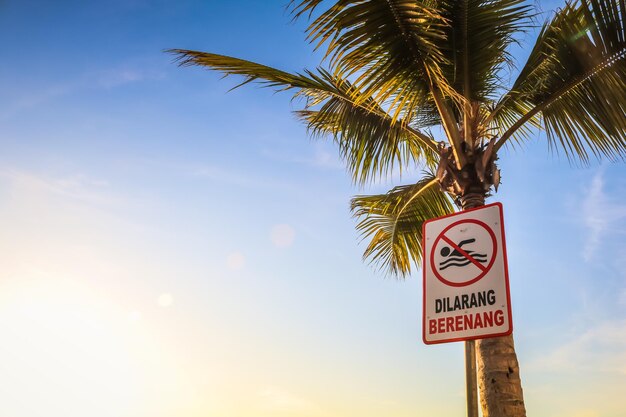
x: 462, y: 252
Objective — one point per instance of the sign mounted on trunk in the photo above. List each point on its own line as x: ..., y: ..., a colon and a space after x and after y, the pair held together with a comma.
x: 466, y: 282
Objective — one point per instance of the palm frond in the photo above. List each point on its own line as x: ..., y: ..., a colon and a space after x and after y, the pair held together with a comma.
x: 388, y: 47
x: 371, y: 142
x: 479, y: 33
x: 393, y: 222
x: 251, y: 71
x: 574, y: 83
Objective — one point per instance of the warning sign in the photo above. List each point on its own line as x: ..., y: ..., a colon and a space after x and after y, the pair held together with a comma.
x: 466, y: 285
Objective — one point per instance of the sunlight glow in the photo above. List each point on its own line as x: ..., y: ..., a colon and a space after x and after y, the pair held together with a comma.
x: 63, y: 351
x: 165, y: 300
x: 70, y: 351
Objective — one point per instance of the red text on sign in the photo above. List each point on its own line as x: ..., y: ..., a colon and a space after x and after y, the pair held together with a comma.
x: 466, y: 322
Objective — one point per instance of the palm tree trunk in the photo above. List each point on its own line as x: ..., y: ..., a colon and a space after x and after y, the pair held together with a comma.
x: 499, y: 380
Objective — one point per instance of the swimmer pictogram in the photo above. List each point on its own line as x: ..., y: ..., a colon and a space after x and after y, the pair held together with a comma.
x: 463, y: 252
x: 454, y: 258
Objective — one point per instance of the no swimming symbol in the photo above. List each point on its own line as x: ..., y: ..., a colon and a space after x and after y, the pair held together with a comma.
x: 463, y: 253
x: 459, y: 257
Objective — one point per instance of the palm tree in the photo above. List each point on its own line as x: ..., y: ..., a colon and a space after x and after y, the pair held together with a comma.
x: 409, y: 84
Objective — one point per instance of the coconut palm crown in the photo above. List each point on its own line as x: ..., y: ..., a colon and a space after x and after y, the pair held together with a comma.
x: 394, y: 70
x: 425, y: 84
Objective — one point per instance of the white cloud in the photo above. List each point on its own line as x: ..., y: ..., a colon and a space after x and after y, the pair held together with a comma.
x: 599, y: 214
x: 104, y: 79
x: 75, y: 187
x: 322, y: 157
x: 282, y: 235
x: 114, y: 78
x: 31, y: 99
x: 239, y: 178
x: 598, y: 349
x: 124, y: 74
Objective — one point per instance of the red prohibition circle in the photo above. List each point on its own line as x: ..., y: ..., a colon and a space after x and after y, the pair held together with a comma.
x: 487, y: 268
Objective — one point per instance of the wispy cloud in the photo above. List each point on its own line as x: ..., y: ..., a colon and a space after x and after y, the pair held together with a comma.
x: 104, y: 79
x: 599, y: 213
x: 119, y: 76
x: 76, y: 187
x: 30, y: 100
x: 321, y: 158
x: 240, y: 178
x: 598, y: 349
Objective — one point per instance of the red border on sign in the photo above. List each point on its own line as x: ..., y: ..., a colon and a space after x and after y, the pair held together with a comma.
x: 506, y: 279
x: 486, y: 269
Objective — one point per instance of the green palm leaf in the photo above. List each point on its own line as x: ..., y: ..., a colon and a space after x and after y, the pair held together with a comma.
x: 393, y: 222
x: 389, y: 45
x: 574, y: 83
x: 370, y: 145
x: 392, y: 49
x: 478, y: 35
x: 371, y: 142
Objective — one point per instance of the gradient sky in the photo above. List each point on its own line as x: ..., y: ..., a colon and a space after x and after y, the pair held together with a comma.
x: 169, y: 248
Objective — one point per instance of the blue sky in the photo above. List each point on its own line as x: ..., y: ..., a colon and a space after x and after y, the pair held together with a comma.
x: 172, y: 248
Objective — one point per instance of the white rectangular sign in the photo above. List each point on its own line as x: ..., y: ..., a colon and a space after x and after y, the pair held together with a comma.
x: 466, y: 282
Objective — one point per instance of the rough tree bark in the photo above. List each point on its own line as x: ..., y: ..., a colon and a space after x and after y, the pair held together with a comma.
x: 499, y: 380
